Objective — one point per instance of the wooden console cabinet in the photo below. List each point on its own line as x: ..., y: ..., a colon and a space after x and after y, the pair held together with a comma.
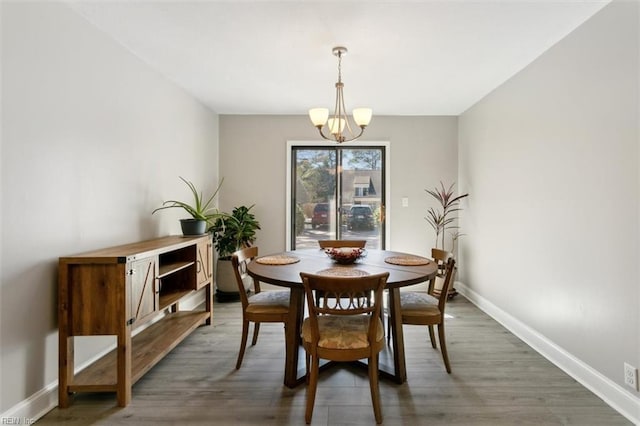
x: 115, y: 291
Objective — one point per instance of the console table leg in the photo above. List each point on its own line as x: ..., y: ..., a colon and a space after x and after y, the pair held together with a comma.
x: 123, y: 391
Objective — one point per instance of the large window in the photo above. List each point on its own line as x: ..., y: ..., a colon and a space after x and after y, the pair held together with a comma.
x: 337, y: 192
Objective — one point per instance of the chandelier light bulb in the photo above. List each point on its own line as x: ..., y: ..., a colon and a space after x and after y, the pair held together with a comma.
x: 319, y: 116
x: 336, y: 125
x: 362, y: 116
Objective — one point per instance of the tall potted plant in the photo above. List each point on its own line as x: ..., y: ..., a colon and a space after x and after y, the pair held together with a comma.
x: 230, y: 233
x: 441, y: 220
x: 202, y: 212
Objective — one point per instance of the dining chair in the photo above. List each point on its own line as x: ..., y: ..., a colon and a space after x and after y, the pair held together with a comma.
x: 343, y: 326
x: 341, y: 243
x: 421, y: 308
x: 434, y: 287
x: 262, y: 306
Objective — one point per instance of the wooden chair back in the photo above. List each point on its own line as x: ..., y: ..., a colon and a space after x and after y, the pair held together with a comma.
x: 240, y: 259
x: 344, y: 296
x: 440, y: 257
x: 449, y: 277
x: 341, y: 243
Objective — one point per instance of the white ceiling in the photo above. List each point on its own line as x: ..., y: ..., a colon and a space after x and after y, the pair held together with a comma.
x: 406, y: 57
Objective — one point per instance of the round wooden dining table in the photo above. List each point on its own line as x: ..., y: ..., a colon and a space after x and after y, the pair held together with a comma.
x: 283, y: 269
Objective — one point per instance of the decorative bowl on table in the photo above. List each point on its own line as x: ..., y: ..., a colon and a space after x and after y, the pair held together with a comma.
x: 345, y: 255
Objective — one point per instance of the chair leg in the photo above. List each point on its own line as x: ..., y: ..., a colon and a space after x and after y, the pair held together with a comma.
x: 311, y: 388
x: 443, y: 348
x: 375, y: 388
x: 243, y: 342
x: 432, y: 336
x: 256, y: 330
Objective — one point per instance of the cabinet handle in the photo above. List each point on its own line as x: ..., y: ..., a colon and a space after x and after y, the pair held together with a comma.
x: 198, y: 266
x: 132, y: 271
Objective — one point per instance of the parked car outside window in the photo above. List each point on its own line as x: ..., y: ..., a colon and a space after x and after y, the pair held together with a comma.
x: 360, y: 216
x: 320, y: 215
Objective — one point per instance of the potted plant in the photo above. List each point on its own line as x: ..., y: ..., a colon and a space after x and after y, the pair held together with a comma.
x: 230, y: 233
x: 440, y: 220
x: 202, y: 213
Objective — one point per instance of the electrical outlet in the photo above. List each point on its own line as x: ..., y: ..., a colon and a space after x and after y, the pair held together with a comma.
x: 631, y: 376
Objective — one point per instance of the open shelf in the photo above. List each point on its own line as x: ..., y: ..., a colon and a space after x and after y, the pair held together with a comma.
x: 167, y: 299
x: 170, y: 268
x: 149, y: 347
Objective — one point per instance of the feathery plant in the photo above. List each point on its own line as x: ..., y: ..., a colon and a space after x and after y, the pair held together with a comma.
x: 441, y: 220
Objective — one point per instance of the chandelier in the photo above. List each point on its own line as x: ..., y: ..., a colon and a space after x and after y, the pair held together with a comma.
x: 338, y: 127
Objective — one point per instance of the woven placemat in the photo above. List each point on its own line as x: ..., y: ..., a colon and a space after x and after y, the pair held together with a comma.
x: 407, y: 260
x: 343, y: 272
x: 279, y: 259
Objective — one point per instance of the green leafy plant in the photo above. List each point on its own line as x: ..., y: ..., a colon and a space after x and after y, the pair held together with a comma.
x: 235, y: 231
x: 440, y: 220
x: 199, y: 209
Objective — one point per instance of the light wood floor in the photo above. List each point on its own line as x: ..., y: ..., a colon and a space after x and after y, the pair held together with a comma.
x: 496, y: 380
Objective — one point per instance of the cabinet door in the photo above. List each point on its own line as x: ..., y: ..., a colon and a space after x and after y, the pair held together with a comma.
x: 143, y: 281
x: 204, y: 262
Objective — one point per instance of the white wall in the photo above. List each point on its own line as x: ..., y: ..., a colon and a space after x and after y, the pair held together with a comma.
x: 92, y: 141
x: 253, y: 151
x: 551, y: 161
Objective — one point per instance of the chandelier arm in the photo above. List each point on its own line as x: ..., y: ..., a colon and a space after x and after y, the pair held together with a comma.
x: 322, y: 134
x: 355, y: 137
x: 343, y: 113
x: 336, y: 108
x: 343, y: 138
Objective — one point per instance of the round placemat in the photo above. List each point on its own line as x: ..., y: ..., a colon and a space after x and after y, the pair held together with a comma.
x: 280, y: 259
x: 407, y: 260
x: 343, y: 272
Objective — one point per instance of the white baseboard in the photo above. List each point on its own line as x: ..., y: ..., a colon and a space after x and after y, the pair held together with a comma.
x: 31, y: 409
x: 609, y: 391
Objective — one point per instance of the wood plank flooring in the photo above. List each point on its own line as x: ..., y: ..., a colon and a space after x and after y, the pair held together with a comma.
x: 496, y: 380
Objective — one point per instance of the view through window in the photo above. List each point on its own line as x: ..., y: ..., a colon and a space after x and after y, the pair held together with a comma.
x: 337, y: 193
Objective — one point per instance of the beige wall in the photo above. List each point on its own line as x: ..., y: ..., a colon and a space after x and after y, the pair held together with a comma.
x: 92, y: 141
x: 253, y: 163
x: 551, y: 161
